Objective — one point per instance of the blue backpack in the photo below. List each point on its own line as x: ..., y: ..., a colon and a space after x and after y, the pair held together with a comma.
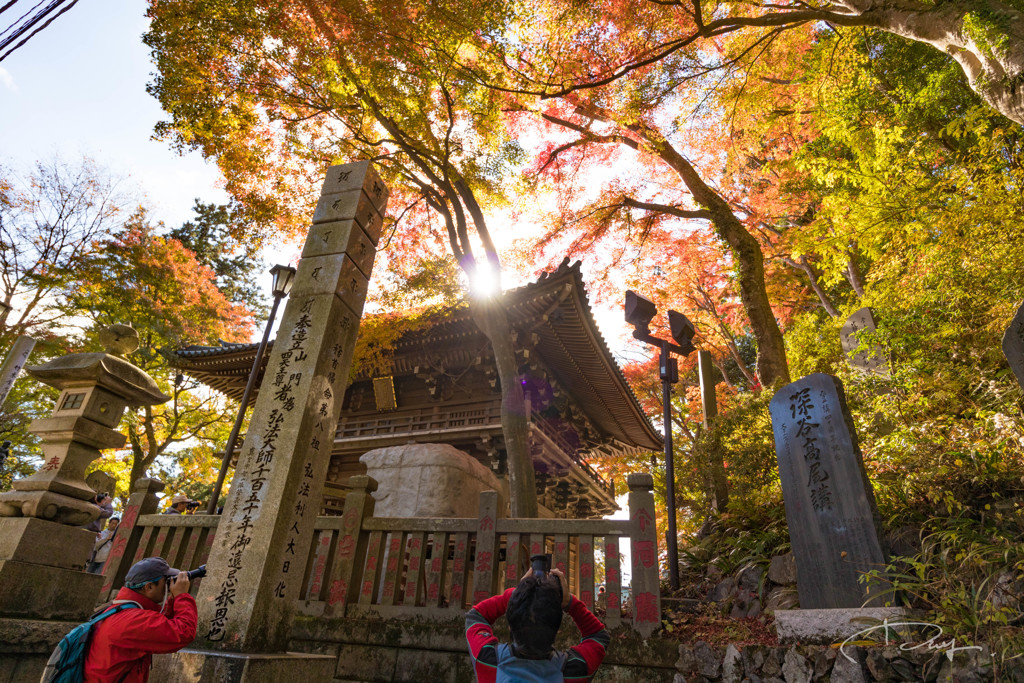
x: 67, y: 663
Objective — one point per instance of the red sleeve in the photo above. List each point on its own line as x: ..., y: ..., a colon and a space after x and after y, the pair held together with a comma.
x: 155, y: 633
x: 480, y: 635
x: 594, y: 639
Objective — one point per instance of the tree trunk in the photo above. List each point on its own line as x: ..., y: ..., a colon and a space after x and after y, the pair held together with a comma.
x: 853, y: 275
x: 772, y: 366
x: 804, y: 265
x: 986, y: 37
x: 491, y: 317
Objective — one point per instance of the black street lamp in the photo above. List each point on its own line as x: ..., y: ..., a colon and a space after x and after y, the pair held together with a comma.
x: 639, y: 313
x: 282, y: 284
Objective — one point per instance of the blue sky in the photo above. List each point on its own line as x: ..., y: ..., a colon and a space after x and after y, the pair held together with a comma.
x: 79, y: 87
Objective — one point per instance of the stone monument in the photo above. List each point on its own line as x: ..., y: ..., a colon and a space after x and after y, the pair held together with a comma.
x: 15, y: 361
x: 258, y: 559
x: 830, y: 506
x: 42, y: 549
x: 872, y: 359
x: 429, y: 480
x: 1013, y: 345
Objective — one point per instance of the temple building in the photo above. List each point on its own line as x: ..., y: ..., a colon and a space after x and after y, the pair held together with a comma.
x: 442, y: 388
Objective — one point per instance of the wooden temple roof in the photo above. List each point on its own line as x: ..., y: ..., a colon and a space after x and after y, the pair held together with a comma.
x: 551, y: 316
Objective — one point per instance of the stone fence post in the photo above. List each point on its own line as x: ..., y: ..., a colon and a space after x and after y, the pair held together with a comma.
x: 142, y: 501
x: 343, y: 581
x: 484, y: 576
x: 643, y: 541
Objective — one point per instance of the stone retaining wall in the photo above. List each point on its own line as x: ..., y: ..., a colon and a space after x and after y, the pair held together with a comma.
x: 25, y: 645
x: 415, y: 652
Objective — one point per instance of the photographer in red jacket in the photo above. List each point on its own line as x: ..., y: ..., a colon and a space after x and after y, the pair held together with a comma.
x: 122, y: 646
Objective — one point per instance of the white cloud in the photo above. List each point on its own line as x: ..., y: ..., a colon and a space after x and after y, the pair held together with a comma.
x: 7, y: 80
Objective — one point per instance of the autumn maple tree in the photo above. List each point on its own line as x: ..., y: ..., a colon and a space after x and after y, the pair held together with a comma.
x: 150, y: 281
x: 307, y: 85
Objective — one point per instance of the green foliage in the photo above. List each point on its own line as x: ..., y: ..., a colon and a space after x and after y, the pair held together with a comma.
x: 743, y: 433
x: 749, y: 535
x: 213, y: 237
x: 28, y: 400
x: 967, y: 575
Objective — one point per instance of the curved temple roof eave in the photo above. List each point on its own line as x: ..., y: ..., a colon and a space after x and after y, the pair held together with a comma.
x: 226, y: 367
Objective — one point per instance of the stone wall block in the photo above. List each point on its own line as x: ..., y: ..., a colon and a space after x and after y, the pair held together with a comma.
x: 823, y: 662
x: 796, y: 668
x: 709, y: 661
x: 849, y: 666
x: 750, y: 578
x: 782, y: 570
x: 722, y: 590
x: 773, y: 658
x: 753, y: 660
x: 878, y: 666
x: 686, y: 665
x: 732, y: 665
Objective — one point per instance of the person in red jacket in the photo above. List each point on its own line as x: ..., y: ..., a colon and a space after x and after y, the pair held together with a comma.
x: 122, y: 646
x: 534, y: 613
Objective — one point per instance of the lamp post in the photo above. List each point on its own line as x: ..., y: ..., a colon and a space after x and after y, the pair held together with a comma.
x: 639, y: 313
x: 282, y: 284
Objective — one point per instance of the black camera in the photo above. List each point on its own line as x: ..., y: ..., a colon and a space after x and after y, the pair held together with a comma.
x: 197, y: 573
x: 192, y: 505
x: 541, y: 564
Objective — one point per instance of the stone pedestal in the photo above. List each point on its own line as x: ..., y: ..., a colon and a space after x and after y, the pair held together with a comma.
x: 26, y: 644
x: 827, y: 626
x: 207, y: 666
x: 42, y: 570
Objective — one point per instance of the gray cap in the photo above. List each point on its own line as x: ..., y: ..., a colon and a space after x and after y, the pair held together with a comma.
x: 148, y: 570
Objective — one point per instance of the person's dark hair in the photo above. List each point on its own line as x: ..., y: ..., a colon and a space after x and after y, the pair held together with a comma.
x: 534, y: 614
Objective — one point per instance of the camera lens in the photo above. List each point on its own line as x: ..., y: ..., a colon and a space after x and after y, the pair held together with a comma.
x: 197, y: 573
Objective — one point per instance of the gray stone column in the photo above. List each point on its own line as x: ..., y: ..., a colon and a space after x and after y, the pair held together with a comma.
x: 259, y: 556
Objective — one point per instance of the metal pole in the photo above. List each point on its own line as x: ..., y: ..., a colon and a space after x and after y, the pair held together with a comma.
x: 665, y: 361
x: 211, y: 509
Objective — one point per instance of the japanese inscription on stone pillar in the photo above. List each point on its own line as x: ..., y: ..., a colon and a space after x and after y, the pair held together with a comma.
x: 870, y: 359
x: 830, y: 506
x: 258, y: 560
x: 1013, y: 345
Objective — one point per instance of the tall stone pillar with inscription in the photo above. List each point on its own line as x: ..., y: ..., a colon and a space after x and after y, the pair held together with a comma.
x: 830, y: 506
x: 258, y: 558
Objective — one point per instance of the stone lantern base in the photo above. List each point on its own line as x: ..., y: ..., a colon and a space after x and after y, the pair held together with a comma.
x: 42, y: 570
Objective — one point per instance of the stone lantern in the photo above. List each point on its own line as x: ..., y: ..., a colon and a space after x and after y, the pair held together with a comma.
x: 41, y: 546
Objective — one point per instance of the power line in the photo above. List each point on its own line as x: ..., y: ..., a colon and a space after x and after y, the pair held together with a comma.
x: 34, y: 20
x: 7, y: 6
x: 18, y: 20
